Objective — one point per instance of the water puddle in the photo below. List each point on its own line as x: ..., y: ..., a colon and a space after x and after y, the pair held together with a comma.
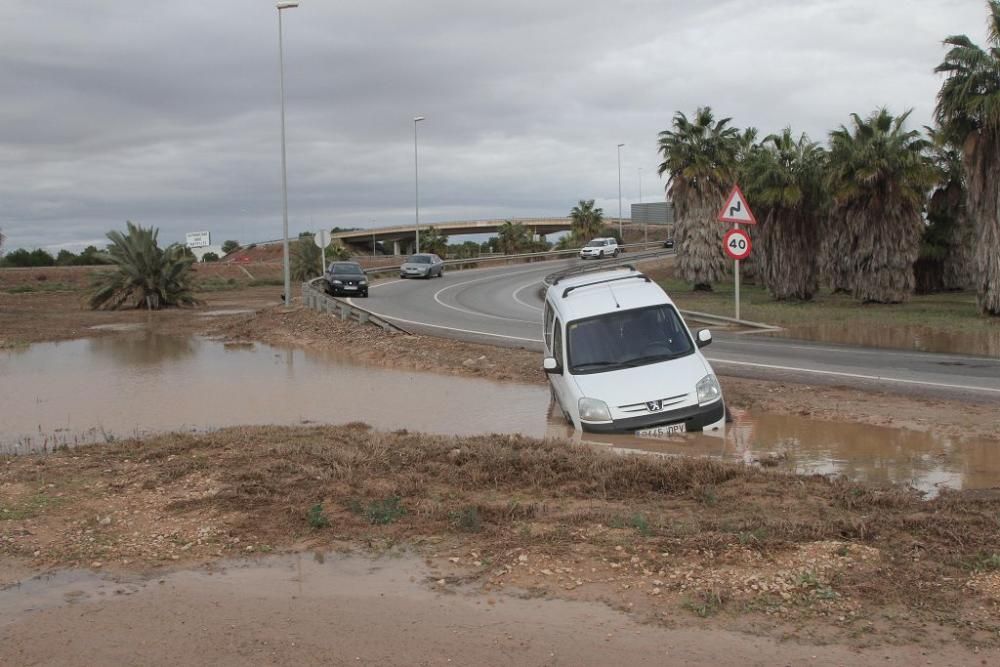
x: 916, y: 338
x: 101, y: 389
x: 874, y: 454
x: 118, y: 326
x: 98, y: 389
x: 228, y: 311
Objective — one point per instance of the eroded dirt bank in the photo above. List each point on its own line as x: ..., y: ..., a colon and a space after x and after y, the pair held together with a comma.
x: 678, y: 542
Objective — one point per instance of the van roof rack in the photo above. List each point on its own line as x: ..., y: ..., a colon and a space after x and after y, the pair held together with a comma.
x: 581, y: 270
x: 641, y: 276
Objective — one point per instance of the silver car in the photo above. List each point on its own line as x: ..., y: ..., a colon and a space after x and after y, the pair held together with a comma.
x: 423, y: 265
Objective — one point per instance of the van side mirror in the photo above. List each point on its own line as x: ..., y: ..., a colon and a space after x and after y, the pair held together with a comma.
x: 704, y: 337
x: 550, y: 365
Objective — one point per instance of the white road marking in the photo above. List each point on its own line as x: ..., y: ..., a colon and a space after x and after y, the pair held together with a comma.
x: 478, y: 314
x: 853, y: 376
x: 859, y: 350
x: 438, y: 326
x: 524, y: 303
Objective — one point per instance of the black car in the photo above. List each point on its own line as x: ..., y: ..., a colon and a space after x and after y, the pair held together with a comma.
x: 346, y: 278
x: 669, y: 243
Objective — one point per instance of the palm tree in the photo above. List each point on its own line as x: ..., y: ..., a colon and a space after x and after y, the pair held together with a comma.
x: 968, y: 109
x: 146, y: 276
x: 587, y: 220
x: 700, y: 159
x: 434, y: 241
x: 307, y: 257
x: 878, y: 177
x: 513, y: 237
x: 784, y: 178
x: 949, y: 240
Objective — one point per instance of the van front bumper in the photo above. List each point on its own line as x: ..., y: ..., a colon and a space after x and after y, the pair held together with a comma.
x: 695, y: 418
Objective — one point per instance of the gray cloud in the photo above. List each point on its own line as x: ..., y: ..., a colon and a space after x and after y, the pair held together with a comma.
x: 167, y: 113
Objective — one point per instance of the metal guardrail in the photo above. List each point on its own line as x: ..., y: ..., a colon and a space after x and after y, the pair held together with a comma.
x: 505, y: 258
x: 707, y: 318
x: 317, y: 299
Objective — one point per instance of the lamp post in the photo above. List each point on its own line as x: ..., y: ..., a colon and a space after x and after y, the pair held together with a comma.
x: 645, y: 224
x: 620, y: 192
x: 288, y: 4
x: 416, y: 179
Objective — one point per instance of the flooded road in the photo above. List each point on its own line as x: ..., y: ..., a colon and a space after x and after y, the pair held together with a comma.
x: 874, y: 454
x: 93, y: 390
x: 96, y: 390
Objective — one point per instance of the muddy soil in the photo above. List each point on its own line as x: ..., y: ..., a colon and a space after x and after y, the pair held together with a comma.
x: 674, y: 541
x: 321, y: 608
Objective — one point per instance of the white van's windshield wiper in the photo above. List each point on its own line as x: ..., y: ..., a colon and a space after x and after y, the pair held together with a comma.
x: 595, y: 364
x: 648, y: 359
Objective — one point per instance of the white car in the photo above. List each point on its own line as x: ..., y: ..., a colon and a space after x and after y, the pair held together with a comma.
x: 600, y: 247
x: 620, y: 357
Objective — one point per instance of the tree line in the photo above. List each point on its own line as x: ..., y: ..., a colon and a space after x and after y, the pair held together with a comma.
x: 878, y: 207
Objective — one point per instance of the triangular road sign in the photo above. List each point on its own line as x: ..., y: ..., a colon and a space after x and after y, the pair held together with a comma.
x: 737, y: 209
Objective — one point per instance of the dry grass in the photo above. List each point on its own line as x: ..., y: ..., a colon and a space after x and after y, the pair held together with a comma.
x: 503, y: 495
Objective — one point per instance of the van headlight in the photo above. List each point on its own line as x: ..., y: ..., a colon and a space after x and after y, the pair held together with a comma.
x: 336, y: 282
x: 363, y: 281
x: 593, y: 410
x: 708, y: 390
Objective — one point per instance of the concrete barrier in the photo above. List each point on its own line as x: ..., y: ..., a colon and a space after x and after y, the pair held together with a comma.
x: 316, y: 298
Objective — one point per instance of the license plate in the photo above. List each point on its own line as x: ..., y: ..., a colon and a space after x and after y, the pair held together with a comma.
x: 350, y: 287
x: 660, y: 431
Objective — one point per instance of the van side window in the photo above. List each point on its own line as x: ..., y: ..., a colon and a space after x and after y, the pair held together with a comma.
x: 547, y: 326
x: 557, y: 346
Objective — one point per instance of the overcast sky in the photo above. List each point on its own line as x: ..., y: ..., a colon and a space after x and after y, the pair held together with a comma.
x: 167, y: 113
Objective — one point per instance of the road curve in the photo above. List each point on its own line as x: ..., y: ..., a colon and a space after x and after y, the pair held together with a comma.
x: 503, y: 306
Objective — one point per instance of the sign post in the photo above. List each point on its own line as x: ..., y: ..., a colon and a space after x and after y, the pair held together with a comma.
x: 322, y: 239
x: 736, y: 242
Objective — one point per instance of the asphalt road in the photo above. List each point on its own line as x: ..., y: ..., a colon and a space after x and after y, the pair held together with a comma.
x: 503, y: 306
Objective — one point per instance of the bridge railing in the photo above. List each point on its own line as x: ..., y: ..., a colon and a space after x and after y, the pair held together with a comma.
x: 472, y: 262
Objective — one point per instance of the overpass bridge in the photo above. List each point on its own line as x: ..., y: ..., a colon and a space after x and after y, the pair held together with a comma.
x: 403, y: 237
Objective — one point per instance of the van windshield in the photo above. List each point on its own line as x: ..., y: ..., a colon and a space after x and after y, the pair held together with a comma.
x: 595, y: 243
x: 626, y: 339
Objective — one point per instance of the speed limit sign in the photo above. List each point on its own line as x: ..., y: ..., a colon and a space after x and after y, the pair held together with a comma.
x: 737, y: 244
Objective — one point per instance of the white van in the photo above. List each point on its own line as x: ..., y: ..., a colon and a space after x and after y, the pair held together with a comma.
x: 621, y: 359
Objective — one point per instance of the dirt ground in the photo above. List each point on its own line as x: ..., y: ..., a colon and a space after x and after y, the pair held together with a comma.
x: 321, y: 608
x: 701, y: 553
x: 678, y: 543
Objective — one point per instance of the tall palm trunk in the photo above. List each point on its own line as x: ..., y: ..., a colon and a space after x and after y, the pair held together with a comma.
x: 983, y: 173
x: 787, y: 241
x: 884, y: 252
x: 837, y: 249
x: 700, y: 258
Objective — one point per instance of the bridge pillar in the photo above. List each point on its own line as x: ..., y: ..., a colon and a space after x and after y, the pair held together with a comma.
x: 395, y: 247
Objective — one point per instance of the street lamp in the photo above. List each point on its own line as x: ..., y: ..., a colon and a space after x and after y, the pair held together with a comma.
x: 416, y: 179
x: 620, y: 192
x: 290, y: 4
x: 645, y: 224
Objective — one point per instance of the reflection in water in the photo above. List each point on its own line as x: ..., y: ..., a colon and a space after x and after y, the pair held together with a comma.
x: 87, y: 391
x: 918, y: 338
x: 146, y: 348
x: 873, y: 454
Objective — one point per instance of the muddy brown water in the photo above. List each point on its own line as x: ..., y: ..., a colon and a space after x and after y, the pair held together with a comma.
x: 95, y: 390
x: 901, y: 337
x: 317, y: 608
